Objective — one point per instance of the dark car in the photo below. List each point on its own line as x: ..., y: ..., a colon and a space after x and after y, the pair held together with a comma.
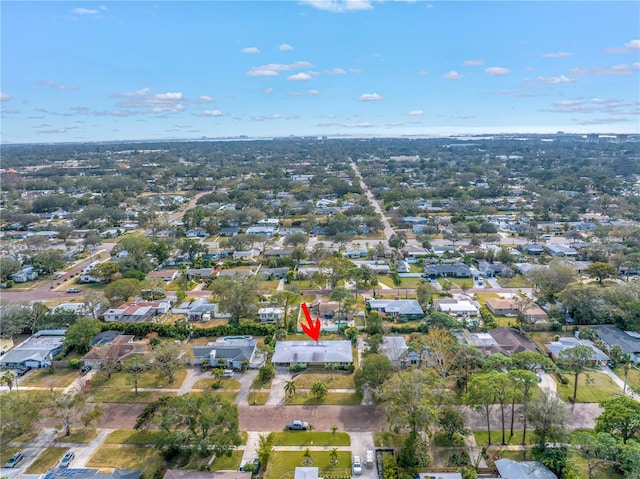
x: 23, y: 371
x: 14, y: 460
x: 256, y: 465
x: 67, y: 458
x: 73, y: 290
x: 85, y: 369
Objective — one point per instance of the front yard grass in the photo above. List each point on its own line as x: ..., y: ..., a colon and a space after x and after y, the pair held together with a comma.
x: 334, y: 399
x: 227, y: 384
x: 596, y: 387
x: 224, y: 463
x: 131, y: 436
x: 518, y: 281
x: 80, y: 436
x: 313, y: 438
x: 333, y: 380
x: 633, y: 376
x: 126, y: 396
x: 482, y: 438
x: 147, y: 459
x: 285, y: 462
x: 61, y: 377
x: 46, y: 460
x: 389, y: 439
x: 258, y: 398
x: 146, y: 380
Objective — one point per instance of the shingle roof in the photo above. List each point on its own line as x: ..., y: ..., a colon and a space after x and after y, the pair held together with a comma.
x: 313, y: 352
x: 510, y: 469
x: 612, y: 335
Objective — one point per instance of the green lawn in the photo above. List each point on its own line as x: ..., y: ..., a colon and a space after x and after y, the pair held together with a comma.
x: 595, y: 389
x: 333, y: 380
x: 315, y: 438
x: 518, y: 281
x: 389, y: 439
x: 224, y: 463
x: 80, y: 436
x: 147, y: 459
x: 130, y: 436
x: 285, y: 462
x: 126, y: 396
x: 43, y: 378
x: 441, y: 440
x: 633, y: 376
x: 227, y: 384
x: 258, y: 398
x: 46, y: 460
x: 601, y: 472
x: 229, y: 396
x: 337, y: 399
x: 482, y: 438
x: 146, y: 380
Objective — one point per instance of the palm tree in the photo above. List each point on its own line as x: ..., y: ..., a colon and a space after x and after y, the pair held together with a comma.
x: 333, y: 454
x: 8, y: 379
x: 319, y: 389
x: 290, y: 388
x: 331, y: 367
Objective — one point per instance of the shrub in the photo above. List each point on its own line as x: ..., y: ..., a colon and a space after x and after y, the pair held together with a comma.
x: 217, y: 384
x: 74, y: 363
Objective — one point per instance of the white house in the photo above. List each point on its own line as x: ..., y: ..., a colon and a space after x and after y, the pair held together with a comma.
x: 271, y: 314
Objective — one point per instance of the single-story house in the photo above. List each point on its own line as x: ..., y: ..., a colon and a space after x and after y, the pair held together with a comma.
x: 354, y: 253
x: 324, y: 310
x: 278, y: 253
x: 246, y: 255
x: 629, y: 341
x: 394, y: 348
x: 137, y: 312
x: 380, y: 267
x: 83, y: 473
x: 560, y: 250
x: 262, y: 230
x: 199, y: 310
x: 26, y: 273
x: 397, y: 308
x: 532, y: 249
x: 440, y: 250
x: 164, y: 274
x: 197, y: 233
x: 271, y: 314
x: 507, y: 341
x: 454, y: 270
x: 510, y: 469
x: 227, y: 231
x: 105, y: 337
x: 460, y: 308
x: 402, y: 266
x: 197, y: 273
x: 306, y: 473
x: 312, y: 353
x: 273, y: 273
x: 509, y: 307
x: 231, y: 352
x: 79, y: 308
x: 414, y: 220
x: 556, y: 347
x: 122, y: 347
x: 37, y: 351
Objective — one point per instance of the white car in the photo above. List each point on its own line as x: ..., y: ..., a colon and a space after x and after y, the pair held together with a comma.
x: 357, y: 466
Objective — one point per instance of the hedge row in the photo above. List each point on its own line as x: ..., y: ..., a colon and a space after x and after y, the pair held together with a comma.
x: 182, y: 331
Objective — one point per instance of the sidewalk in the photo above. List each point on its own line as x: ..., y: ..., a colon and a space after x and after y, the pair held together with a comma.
x: 620, y: 382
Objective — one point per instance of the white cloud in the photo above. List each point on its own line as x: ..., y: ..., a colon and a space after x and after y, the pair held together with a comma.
x: 597, y: 105
x: 359, y: 125
x: 374, y: 97
x: 336, y: 71
x: 273, y: 69
x: 552, y: 80
x: 103, y: 8
x: 250, y: 50
x: 423, y: 72
x: 133, y: 94
x: 56, y: 86
x: 616, y: 70
x: 162, y: 97
x: 142, y: 101
x: 628, y: 47
x: 394, y: 123
x: 452, y: 75
x: 213, y: 113
x: 496, y: 71
x: 415, y: 113
x: 265, y: 118
x: 85, y: 11
x: 557, y: 55
x: 355, y: 70
x: 313, y: 92
x: 5, y: 97
x: 205, y: 99
x: 269, y: 91
x: 473, y: 63
x: 339, y: 6
x: 300, y: 77
x: 285, y: 47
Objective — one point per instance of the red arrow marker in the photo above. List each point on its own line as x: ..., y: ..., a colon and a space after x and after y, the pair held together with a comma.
x: 312, y: 330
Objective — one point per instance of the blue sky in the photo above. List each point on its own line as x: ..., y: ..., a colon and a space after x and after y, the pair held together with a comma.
x: 85, y: 71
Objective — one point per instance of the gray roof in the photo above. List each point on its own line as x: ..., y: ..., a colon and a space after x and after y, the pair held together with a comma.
x: 566, y: 343
x: 510, y: 469
x: 313, y: 352
x: 237, y: 350
x: 612, y: 335
x: 393, y: 347
x: 306, y: 473
x: 396, y: 306
x: 73, y: 473
x: 36, y: 348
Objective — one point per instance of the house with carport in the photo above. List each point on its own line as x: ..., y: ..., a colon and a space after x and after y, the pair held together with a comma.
x: 312, y: 353
x: 629, y: 341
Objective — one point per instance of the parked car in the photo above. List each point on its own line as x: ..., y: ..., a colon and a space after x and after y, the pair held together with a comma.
x: 256, y: 465
x: 357, y: 465
x: 14, y: 460
x: 23, y: 371
x: 228, y: 373
x: 73, y: 290
x: 242, y: 466
x: 85, y: 369
x: 297, y: 426
x: 67, y: 458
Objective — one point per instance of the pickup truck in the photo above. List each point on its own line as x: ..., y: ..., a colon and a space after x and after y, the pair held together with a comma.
x: 297, y: 426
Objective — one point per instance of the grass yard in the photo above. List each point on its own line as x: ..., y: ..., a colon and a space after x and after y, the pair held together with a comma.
x: 506, y: 321
x: 315, y: 438
x: 147, y: 459
x: 130, y: 436
x: 482, y: 438
x: 227, y: 384
x: 482, y: 297
x: 335, y: 399
x: 285, y: 462
x: 441, y: 440
x: 463, y: 283
x: 596, y: 388
x: 126, y: 396
x: 61, y: 377
x: 258, y: 398
x: 605, y: 471
x: 146, y: 380
x: 80, y: 436
x: 633, y: 377
x: 7, y: 451
x: 224, y: 463
x: 46, y: 460
x: 333, y: 380
x: 518, y: 281
x: 389, y: 439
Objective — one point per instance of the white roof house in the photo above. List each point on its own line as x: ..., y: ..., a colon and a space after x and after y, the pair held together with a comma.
x: 510, y: 469
x: 37, y: 351
x: 457, y: 307
x: 312, y: 352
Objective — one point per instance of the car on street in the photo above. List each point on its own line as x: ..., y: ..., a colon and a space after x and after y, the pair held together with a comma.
x: 73, y: 290
x: 297, y: 426
x: 14, y: 460
x: 67, y: 458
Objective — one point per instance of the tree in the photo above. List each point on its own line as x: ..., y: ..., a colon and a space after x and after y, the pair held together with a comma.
x: 342, y: 296
x: 80, y: 334
x: 290, y: 389
x: 8, y: 267
x: 15, y: 318
x: 601, y: 270
x: 621, y: 418
x: 265, y: 448
x: 374, y: 323
x: 121, y: 290
x: 48, y: 261
x: 134, y: 367
x: 108, y: 360
x: 191, y: 248
x: 296, y: 239
x: 551, y: 280
x: 106, y: 271
x: 451, y: 420
x: 319, y: 389
x: 374, y: 371
x: 72, y: 409
x: 286, y: 300
x: 548, y: 415
x: 8, y: 379
x: 425, y: 292
x: 532, y: 361
x: 203, y: 424
x: 168, y: 357
x: 522, y: 382
x: 337, y: 269
x: 483, y: 394
x: 440, y: 350
x: 333, y: 455
x: 237, y: 298
x: 597, y: 449
x: 20, y: 413
x: 266, y: 373
x: 576, y: 360
x: 93, y: 302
